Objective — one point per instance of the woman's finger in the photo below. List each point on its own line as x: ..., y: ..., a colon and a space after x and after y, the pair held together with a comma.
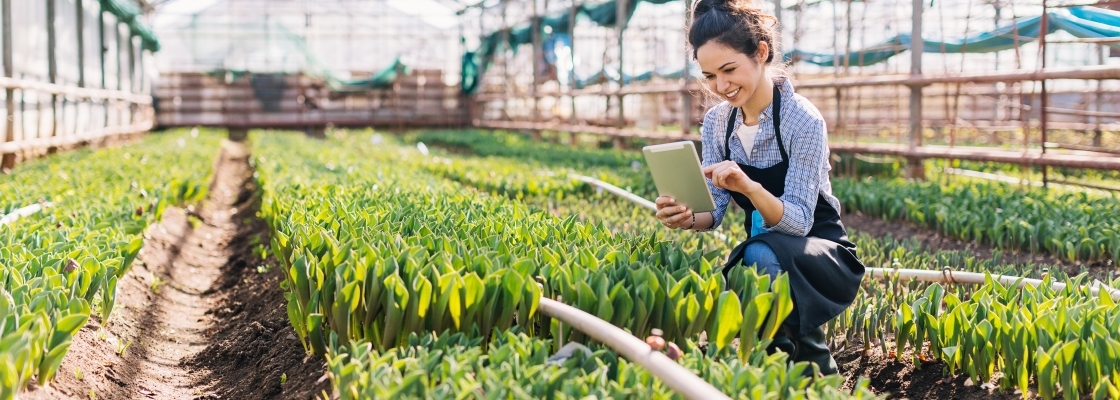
x: 663, y: 201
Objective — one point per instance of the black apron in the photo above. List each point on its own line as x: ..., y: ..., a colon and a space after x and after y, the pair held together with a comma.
x: 824, y: 272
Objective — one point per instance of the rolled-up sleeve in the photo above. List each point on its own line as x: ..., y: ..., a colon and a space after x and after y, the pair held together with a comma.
x: 808, y: 154
x: 712, y: 149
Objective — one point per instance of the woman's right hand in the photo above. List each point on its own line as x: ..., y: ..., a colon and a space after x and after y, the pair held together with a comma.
x: 671, y: 214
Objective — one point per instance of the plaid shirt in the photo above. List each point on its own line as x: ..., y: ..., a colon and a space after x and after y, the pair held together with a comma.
x: 806, y: 142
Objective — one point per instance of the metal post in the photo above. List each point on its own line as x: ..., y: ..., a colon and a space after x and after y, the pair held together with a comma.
x: 132, y: 84
x: 101, y: 53
x: 620, y: 27
x: 81, y: 43
x: 9, y: 160
x: 535, y: 34
x: 1042, y: 120
x: 572, y: 13
x: 777, y: 16
x: 686, y: 97
x: 1097, y: 135
x: 52, y: 63
x: 914, y: 167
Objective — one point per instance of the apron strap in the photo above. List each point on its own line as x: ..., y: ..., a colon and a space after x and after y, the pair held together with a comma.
x: 732, y: 123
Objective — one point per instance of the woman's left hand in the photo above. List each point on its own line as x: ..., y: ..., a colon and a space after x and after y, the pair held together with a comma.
x: 727, y: 175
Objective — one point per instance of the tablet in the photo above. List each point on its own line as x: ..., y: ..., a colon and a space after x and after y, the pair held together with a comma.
x: 676, y: 172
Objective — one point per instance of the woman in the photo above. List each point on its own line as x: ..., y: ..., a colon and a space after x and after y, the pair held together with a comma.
x: 766, y: 148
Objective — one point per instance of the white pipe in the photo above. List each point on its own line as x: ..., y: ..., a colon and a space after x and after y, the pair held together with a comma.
x: 22, y: 212
x: 956, y: 277
x: 616, y: 190
x: 946, y: 276
x: 676, y: 377
x: 627, y: 195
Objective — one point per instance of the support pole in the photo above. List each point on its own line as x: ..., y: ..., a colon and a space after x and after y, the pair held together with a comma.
x: 9, y: 160
x: 620, y: 28
x: 686, y: 97
x: 52, y: 63
x: 101, y: 54
x: 1042, y: 116
x: 914, y: 167
x: 81, y: 43
x: 572, y: 13
x: 535, y: 25
x: 1097, y: 135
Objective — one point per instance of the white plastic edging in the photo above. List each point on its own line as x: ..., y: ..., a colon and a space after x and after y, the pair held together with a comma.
x: 944, y: 276
x: 22, y: 212
x: 627, y: 195
x: 676, y: 377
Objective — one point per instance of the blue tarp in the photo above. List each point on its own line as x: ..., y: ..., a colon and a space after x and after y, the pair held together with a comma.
x: 1082, y: 22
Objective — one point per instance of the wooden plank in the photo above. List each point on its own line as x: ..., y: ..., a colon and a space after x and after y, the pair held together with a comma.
x: 1032, y: 157
x: 11, y: 148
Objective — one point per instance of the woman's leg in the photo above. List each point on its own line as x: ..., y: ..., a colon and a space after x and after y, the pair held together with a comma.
x: 763, y: 258
x: 813, y: 347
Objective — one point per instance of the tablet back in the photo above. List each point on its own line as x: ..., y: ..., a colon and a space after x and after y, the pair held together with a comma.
x: 676, y: 172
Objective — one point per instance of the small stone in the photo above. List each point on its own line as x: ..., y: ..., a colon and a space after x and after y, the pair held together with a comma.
x: 290, y: 337
x: 968, y: 382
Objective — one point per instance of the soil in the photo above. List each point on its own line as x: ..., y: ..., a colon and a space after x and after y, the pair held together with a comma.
x: 931, y: 240
x: 903, y: 380
x: 198, y: 319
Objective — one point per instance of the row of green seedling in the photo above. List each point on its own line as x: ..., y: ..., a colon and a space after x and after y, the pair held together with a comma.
x: 60, y: 264
x: 384, y: 250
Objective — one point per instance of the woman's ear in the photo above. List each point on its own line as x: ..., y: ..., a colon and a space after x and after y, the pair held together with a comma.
x: 763, y: 52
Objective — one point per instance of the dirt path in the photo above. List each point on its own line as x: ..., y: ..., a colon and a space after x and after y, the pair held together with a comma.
x: 198, y: 319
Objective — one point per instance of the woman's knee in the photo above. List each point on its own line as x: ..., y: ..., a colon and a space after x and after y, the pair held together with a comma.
x: 763, y: 257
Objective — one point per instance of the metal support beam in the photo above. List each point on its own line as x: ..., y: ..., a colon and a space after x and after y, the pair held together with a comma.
x: 620, y: 28
x: 914, y: 167
x: 572, y: 58
x: 8, y: 161
x: 1042, y: 118
x: 52, y: 62
x: 101, y: 54
x: 537, y: 55
x: 686, y: 97
x: 81, y: 43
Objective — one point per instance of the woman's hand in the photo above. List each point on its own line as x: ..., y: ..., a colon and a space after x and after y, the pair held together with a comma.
x: 727, y: 175
x: 673, y: 215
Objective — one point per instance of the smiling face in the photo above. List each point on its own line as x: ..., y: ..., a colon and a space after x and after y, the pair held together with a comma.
x: 732, y: 75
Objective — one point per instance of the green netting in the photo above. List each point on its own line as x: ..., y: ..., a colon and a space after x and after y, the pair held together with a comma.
x: 127, y: 12
x: 475, y: 63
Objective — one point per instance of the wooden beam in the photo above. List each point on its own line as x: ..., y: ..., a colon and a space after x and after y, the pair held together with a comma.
x: 1032, y: 157
x: 8, y: 161
x: 63, y: 141
x: 1089, y: 73
x: 70, y: 91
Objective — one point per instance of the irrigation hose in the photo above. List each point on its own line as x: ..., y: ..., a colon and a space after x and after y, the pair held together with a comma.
x: 676, y: 377
x: 627, y: 195
x: 22, y: 212
x: 946, y: 276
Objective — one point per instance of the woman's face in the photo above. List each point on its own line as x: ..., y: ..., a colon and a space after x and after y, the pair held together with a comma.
x: 732, y: 75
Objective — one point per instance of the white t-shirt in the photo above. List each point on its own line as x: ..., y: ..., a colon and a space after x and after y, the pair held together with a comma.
x: 746, y: 135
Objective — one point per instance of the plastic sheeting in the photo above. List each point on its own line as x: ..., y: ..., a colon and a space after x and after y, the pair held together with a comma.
x: 1082, y: 22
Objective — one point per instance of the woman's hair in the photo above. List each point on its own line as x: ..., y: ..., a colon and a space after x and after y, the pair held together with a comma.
x: 737, y: 24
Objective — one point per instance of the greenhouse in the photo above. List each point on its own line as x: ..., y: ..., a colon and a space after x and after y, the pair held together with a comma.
x: 565, y: 199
